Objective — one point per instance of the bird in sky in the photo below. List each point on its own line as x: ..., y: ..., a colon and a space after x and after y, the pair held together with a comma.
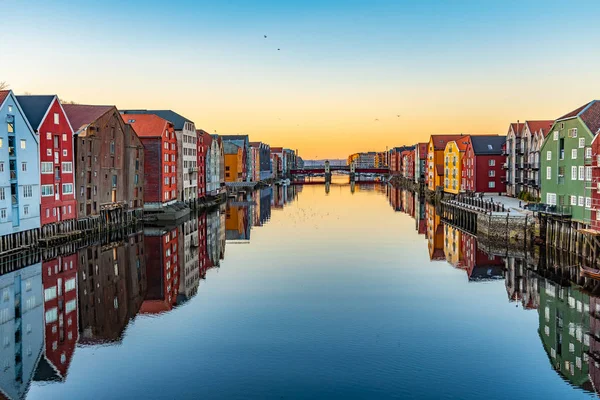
x: 398, y: 115
x: 265, y: 36
x: 376, y: 119
x: 278, y: 49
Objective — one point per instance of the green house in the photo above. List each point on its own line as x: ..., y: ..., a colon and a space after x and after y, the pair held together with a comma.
x: 566, y: 156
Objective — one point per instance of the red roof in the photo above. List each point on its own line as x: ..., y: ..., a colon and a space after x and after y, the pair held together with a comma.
x: 463, y: 143
x: 440, y: 141
x: 3, y: 95
x: 422, y: 150
x: 517, y: 127
x: 575, y: 112
x: 147, y: 125
x: 80, y: 115
x: 589, y: 114
x: 536, y: 126
x: 276, y: 149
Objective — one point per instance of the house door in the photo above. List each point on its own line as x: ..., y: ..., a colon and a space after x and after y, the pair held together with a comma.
x: 56, y: 191
x: 114, y: 196
x: 58, y: 213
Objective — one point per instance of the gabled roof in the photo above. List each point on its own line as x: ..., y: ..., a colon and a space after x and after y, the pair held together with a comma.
x: 3, y: 95
x: 440, y: 141
x: 147, y: 125
x: 236, y: 137
x: 536, y: 126
x: 488, y: 145
x: 276, y: 149
x: 230, y: 148
x: 463, y: 143
x: 589, y: 114
x: 177, y: 120
x: 422, y: 150
x: 517, y: 128
x: 35, y: 108
x: 81, y: 115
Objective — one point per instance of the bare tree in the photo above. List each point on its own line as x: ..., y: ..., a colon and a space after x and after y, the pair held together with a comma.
x: 4, y: 85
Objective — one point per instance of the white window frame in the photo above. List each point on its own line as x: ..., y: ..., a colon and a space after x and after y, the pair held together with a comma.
x: 573, y: 200
x: 573, y: 154
x: 580, y: 201
x: 56, y: 119
x: 548, y: 155
x: 574, y: 173
x: 66, y: 187
x: 581, y: 143
x: 581, y: 172
x: 67, y: 167
x: 47, y: 167
x: 48, y: 194
x: 548, y: 173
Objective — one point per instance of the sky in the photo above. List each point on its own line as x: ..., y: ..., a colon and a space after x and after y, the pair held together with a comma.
x: 331, y: 78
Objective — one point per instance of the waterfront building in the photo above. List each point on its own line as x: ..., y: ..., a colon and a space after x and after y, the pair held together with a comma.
x: 528, y: 170
x: 366, y: 160
x: 394, y: 161
x: 187, y: 149
x: 162, y: 269
x: 453, y: 157
x: 420, y: 162
x: 189, y: 276
x: 261, y: 161
x: 513, y: 158
x: 246, y: 162
x: 482, y: 165
x: 160, y: 146
x: 381, y: 159
x: 22, y: 322
x: 109, y: 163
x: 57, y: 179
x: 61, y: 330
x: 276, y: 164
x: 234, y: 162
x: 408, y: 164
x: 19, y: 170
x: 435, y: 159
x: 203, y: 149
x: 566, y: 158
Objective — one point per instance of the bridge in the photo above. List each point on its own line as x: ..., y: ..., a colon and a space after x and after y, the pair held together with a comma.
x: 333, y: 168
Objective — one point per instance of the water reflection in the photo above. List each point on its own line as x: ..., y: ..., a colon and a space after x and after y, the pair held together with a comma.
x: 86, y: 294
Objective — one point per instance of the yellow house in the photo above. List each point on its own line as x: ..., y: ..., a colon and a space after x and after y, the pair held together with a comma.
x: 435, y: 159
x: 453, y: 155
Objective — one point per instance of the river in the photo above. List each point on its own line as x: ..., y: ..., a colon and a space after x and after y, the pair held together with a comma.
x: 296, y: 292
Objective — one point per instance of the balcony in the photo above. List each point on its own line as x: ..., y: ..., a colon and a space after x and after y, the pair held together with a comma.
x: 505, y: 165
x: 13, y: 175
x: 535, y: 165
x: 520, y: 151
x: 562, y: 211
x: 526, y: 165
x: 11, y: 151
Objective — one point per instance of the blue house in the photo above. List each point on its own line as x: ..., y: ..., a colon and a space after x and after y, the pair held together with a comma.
x: 19, y: 169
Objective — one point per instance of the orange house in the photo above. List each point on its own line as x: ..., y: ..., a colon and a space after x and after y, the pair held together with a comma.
x: 435, y: 159
x: 234, y: 164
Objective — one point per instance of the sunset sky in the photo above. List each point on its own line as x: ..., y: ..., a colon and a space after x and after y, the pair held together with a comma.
x: 345, y: 70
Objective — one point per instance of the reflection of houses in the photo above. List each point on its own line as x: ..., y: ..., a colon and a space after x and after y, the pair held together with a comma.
x: 564, y: 331
x: 110, y: 285
x: 213, y: 227
x: 594, y: 345
x: 265, y: 204
x: 521, y: 283
x: 435, y: 233
x: 478, y: 264
x: 189, y: 278
x: 21, y: 329
x: 59, y: 277
x: 420, y: 221
x: 237, y: 223
x: 452, y: 246
x: 162, y: 269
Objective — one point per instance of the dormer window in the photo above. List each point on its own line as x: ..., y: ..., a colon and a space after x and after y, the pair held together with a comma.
x: 131, y: 121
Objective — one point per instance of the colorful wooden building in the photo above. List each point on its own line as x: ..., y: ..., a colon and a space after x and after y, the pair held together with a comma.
x: 453, y: 156
x: 482, y: 165
x: 435, y: 159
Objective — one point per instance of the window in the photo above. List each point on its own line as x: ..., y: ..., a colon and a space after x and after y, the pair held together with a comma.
x: 588, y: 152
x: 166, y: 146
x: 23, y: 144
x: 573, y: 154
x: 588, y: 202
x: 11, y: 127
x: 3, y: 214
x: 25, y: 210
x: 588, y: 173
x: 50, y: 293
x: 51, y: 315
x: 548, y: 155
x: 67, y: 188
x: 492, y: 163
x: 70, y: 306
x: 2, y: 194
x: 581, y: 173
x: 56, y: 119
x: 581, y: 143
x: 47, y: 190
x: 580, y: 201
x: 136, y: 179
x: 24, y: 167
x: 548, y: 172
x: 573, y: 173
x: 27, y: 191
x: 491, y: 173
x: 114, y: 181
x: 64, y: 152
x: 166, y: 157
x: 555, y: 135
x: 112, y: 147
x: 48, y: 152
x: 46, y: 167
x: 491, y: 184
x: 573, y: 200
x: 551, y: 199
x: 573, y: 132
x: 67, y: 167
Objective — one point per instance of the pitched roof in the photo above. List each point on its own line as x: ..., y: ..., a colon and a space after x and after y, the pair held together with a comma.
x: 422, y: 150
x: 488, y: 145
x: 440, y: 141
x: 146, y: 125
x: 3, y: 95
x: 536, y: 126
x: 177, y: 120
x: 35, y: 107
x: 230, y: 148
x: 81, y: 115
x: 516, y: 127
x: 462, y: 144
x: 589, y: 114
x: 236, y: 137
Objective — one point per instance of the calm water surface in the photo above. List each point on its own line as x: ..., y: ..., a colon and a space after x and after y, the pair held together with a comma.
x: 297, y: 292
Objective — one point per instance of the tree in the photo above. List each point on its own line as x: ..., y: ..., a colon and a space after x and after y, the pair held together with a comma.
x: 4, y: 85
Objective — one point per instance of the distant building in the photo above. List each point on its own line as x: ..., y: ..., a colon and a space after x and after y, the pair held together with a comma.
x: 435, y: 159
x: 234, y: 162
x: 420, y: 162
x: 246, y: 162
x: 261, y: 161
x: 528, y: 171
x: 482, y: 165
x: 160, y: 145
x: 514, y: 184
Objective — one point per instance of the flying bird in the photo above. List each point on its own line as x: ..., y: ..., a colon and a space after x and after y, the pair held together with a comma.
x: 278, y: 49
x: 265, y: 36
x: 398, y: 115
x: 376, y: 119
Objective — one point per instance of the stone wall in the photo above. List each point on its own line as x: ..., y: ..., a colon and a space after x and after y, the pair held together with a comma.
x: 507, y: 230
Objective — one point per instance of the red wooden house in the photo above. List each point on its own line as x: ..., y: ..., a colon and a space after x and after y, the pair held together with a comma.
x: 160, y: 145
x: 204, y: 143
x: 482, y: 165
x: 47, y: 116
